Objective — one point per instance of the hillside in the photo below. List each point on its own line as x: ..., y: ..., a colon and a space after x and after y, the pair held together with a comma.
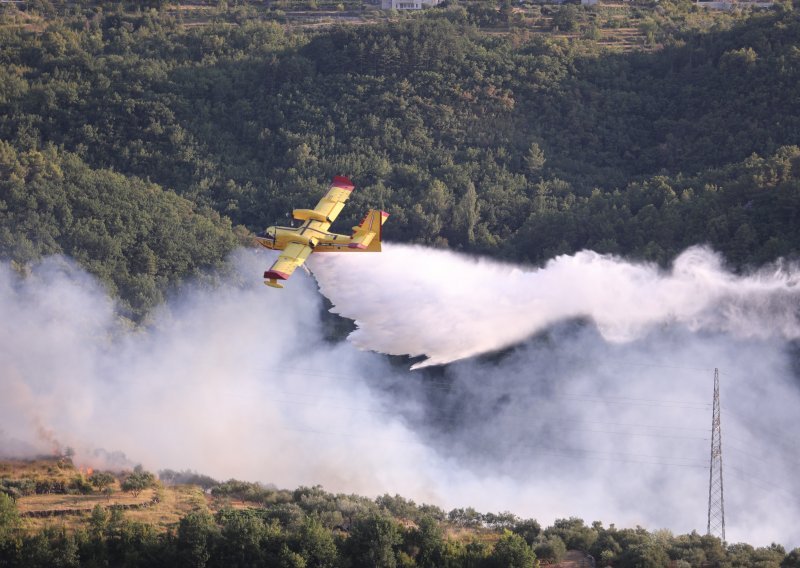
x: 135, y: 236
x: 54, y: 492
x: 58, y: 515
x: 519, y: 134
x: 147, y: 141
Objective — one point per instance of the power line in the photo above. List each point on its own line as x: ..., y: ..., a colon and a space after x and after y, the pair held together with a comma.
x: 760, y: 483
x: 453, y: 385
x: 775, y: 435
x: 596, y: 455
x: 620, y: 457
x: 760, y: 458
x: 561, y: 428
x: 580, y: 397
x: 581, y: 453
x: 571, y: 428
x: 659, y: 366
x: 317, y: 395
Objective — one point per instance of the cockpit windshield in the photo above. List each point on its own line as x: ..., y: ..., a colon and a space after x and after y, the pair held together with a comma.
x: 268, y: 233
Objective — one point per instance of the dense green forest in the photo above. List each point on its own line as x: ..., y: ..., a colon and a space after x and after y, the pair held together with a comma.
x: 516, y: 144
x: 309, y: 527
x: 135, y: 236
x: 146, y: 149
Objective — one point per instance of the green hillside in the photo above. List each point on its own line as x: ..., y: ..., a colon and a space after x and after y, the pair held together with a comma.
x: 60, y: 515
x: 478, y: 130
x: 135, y: 236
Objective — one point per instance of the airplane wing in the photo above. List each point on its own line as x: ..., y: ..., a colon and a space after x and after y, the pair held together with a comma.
x: 293, y: 256
x: 332, y: 204
x: 329, y: 206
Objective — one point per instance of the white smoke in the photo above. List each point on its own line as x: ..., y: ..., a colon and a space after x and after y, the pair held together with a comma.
x: 570, y: 417
x: 239, y: 381
x: 446, y: 306
x: 218, y: 382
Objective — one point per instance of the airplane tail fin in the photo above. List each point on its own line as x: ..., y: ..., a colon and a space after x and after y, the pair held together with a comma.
x: 367, y: 234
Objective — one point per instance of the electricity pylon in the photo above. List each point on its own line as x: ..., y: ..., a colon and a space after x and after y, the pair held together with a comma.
x: 716, y: 500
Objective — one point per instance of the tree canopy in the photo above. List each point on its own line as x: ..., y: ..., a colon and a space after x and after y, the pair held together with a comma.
x: 136, y: 143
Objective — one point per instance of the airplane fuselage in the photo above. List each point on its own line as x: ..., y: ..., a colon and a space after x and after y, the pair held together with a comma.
x: 277, y: 238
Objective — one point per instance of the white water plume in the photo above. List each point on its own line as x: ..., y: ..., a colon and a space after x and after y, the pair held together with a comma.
x: 411, y: 300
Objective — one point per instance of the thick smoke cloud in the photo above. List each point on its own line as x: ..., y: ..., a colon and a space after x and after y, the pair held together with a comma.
x: 607, y: 421
x: 222, y: 380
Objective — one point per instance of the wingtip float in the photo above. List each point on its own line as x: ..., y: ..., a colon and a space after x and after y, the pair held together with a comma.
x: 298, y: 243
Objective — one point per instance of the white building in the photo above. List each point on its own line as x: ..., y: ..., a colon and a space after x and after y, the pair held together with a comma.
x: 733, y: 4
x: 408, y: 4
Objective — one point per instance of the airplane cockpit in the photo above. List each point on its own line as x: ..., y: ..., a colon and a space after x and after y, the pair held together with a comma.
x: 268, y: 235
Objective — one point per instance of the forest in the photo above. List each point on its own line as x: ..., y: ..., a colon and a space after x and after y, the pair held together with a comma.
x: 309, y: 527
x: 147, y: 149
x: 518, y: 145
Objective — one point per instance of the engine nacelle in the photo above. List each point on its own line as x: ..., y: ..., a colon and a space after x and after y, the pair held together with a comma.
x: 309, y: 214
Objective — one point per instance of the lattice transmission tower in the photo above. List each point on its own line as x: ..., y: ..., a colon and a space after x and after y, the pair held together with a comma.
x: 716, y: 500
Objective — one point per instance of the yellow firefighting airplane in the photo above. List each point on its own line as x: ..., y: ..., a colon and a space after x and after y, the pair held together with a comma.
x: 313, y: 236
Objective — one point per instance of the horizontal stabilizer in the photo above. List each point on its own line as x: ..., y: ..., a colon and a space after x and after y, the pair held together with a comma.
x: 367, y: 234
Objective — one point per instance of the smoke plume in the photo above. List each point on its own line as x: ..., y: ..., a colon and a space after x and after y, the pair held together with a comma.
x: 579, y: 389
